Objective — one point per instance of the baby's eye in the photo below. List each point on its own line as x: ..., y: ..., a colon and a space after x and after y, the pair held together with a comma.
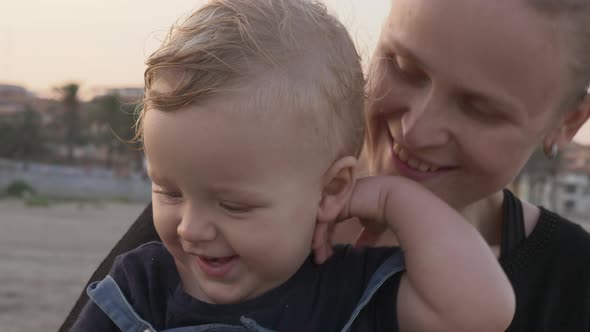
x: 169, y: 196
x: 235, y: 207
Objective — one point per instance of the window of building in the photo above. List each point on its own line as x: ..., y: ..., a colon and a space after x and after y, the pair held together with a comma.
x: 569, y: 205
x: 570, y: 188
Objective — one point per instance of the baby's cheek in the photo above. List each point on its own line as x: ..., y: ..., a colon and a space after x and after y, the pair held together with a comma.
x: 284, y: 261
x: 277, y: 256
x: 166, y: 221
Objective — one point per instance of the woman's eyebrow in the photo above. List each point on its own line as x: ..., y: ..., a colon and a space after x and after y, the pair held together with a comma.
x: 399, y: 48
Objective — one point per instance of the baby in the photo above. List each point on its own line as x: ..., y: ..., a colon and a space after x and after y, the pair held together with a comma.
x: 252, y: 125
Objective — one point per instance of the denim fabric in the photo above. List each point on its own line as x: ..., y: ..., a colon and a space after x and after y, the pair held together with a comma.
x: 391, y: 266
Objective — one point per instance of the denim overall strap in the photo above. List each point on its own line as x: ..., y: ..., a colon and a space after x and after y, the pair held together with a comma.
x: 109, y: 297
x: 391, y: 266
x: 248, y: 325
x: 252, y: 326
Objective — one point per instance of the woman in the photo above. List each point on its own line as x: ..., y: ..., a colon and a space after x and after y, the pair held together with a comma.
x: 461, y: 93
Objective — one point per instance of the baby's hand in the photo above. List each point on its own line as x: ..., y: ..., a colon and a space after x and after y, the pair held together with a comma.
x: 370, y: 234
x: 367, y: 203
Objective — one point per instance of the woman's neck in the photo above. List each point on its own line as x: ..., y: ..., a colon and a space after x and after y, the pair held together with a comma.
x: 486, y: 215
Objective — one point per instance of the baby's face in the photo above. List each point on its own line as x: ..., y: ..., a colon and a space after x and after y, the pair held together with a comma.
x: 235, y: 196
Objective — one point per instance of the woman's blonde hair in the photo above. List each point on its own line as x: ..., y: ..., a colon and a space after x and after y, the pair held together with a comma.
x: 575, y: 16
x: 229, y: 43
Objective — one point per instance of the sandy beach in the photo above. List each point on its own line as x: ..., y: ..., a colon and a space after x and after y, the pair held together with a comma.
x: 48, y: 253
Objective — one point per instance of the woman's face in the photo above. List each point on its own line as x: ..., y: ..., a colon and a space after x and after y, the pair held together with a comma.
x: 462, y: 92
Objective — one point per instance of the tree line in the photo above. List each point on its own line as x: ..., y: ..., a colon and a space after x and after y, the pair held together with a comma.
x: 105, y: 123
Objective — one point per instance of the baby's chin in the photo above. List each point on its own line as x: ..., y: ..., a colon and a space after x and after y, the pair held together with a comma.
x: 219, y: 294
x: 223, y: 294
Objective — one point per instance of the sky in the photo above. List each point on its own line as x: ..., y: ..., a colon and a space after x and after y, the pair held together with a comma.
x: 105, y: 43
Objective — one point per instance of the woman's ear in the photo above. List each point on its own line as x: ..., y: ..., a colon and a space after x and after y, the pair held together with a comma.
x: 338, y: 182
x: 572, y: 122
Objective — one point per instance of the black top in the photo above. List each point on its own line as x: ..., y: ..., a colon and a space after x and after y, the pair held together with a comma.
x: 549, y: 270
x: 316, y: 298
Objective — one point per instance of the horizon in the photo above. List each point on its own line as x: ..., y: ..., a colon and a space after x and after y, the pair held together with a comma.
x: 104, y: 44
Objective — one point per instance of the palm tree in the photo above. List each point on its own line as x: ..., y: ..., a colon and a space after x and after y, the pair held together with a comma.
x: 69, y: 98
x: 31, y: 145
x: 118, y: 120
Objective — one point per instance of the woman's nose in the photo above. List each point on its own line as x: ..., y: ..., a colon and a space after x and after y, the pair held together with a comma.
x: 425, y: 123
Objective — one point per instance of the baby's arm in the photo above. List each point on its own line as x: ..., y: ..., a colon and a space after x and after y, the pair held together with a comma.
x: 453, y: 282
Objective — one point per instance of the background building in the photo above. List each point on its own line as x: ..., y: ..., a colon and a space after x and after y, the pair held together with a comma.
x: 561, y: 185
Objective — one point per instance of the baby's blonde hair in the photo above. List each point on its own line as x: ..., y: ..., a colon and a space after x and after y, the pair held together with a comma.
x: 228, y: 43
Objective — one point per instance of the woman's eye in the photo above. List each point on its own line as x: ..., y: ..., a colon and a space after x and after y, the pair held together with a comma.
x: 406, y: 70
x: 479, y: 110
x: 471, y: 107
x: 235, y: 208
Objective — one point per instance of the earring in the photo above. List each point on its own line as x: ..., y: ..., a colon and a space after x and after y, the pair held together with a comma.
x: 553, y: 152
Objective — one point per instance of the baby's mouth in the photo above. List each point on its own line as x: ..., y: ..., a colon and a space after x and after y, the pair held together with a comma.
x: 217, y: 267
x: 217, y: 261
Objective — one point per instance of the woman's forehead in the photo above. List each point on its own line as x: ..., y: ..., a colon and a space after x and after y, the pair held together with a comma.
x: 500, y: 47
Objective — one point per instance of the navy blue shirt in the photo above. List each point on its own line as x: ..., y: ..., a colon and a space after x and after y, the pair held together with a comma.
x: 316, y: 298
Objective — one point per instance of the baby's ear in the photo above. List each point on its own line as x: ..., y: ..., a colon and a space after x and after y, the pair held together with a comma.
x: 337, y: 185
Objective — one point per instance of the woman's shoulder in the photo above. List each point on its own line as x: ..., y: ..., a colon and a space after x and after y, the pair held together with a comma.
x: 550, y: 273
x: 569, y: 237
x: 555, y: 243
x: 546, y: 229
